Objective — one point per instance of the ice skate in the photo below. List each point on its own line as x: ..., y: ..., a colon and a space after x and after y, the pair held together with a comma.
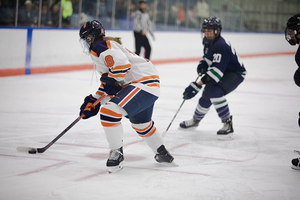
x: 115, y: 160
x: 226, y: 132
x: 163, y: 156
x: 296, y: 163
x: 189, y: 123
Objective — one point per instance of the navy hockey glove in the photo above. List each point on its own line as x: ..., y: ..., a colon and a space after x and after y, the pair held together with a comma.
x: 110, y: 85
x: 202, y: 67
x: 87, y: 107
x: 191, y: 90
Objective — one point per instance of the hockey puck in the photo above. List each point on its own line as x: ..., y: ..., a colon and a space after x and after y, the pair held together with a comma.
x: 32, y: 151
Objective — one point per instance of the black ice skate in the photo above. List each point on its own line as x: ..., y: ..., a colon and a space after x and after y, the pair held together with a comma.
x: 226, y: 132
x: 296, y: 163
x: 163, y: 155
x: 115, y: 160
x: 189, y: 123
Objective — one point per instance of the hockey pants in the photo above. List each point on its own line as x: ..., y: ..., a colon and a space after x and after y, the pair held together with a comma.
x: 215, y: 94
x: 137, y: 105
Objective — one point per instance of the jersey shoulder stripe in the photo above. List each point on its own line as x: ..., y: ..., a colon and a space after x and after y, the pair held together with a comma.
x: 151, y: 81
x: 100, y: 47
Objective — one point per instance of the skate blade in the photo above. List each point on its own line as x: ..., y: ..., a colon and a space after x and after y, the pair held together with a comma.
x: 296, y: 151
x: 295, y: 168
x: 166, y: 164
x: 115, y: 169
x: 229, y: 136
x: 188, y: 128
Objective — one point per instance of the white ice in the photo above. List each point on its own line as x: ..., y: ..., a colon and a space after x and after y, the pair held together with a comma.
x: 34, y: 109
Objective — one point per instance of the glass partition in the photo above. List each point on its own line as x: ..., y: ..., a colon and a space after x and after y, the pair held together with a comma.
x: 182, y: 15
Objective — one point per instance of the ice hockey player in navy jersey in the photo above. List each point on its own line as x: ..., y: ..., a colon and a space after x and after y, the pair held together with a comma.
x: 222, y: 71
x: 292, y: 35
x: 131, y: 85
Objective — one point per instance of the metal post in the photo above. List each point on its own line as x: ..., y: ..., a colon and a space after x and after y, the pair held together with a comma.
x: 60, y: 15
x: 40, y: 14
x: 17, y: 12
x: 166, y: 14
x: 154, y: 14
x: 186, y: 12
x: 177, y: 16
x: 113, y: 14
x: 128, y: 14
x: 79, y: 12
x: 97, y: 9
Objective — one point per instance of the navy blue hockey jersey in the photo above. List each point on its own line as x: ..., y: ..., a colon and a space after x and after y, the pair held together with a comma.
x: 222, y: 58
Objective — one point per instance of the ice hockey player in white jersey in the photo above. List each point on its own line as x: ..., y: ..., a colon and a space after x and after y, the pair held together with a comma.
x: 223, y: 71
x: 292, y: 35
x: 131, y: 85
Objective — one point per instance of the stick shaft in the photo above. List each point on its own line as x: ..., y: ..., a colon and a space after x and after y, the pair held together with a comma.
x: 175, y: 115
x: 41, y: 150
x: 163, y: 135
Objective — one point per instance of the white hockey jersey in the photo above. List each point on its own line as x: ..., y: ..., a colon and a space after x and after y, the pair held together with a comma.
x: 124, y: 66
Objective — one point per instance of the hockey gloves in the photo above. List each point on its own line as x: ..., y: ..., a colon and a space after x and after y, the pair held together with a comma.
x: 87, y: 107
x: 202, y: 67
x: 110, y: 85
x: 191, y: 90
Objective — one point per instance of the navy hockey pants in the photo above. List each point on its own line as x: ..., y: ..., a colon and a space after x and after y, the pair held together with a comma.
x: 137, y: 103
x: 215, y: 94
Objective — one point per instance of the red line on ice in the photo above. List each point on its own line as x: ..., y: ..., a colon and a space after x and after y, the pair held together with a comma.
x: 91, y: 176
x: 165, y: 170
x: 61, y: 163
x: 44, y: 168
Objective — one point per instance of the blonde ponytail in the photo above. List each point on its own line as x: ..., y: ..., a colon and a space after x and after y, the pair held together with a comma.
x: 116, y: 39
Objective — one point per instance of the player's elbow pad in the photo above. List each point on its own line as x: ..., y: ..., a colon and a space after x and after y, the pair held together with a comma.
x: 205, y: 79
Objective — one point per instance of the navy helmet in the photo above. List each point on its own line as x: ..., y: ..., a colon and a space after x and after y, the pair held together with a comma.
x: 213, y: 23
x: 89, y: 33
x: 292, y: 29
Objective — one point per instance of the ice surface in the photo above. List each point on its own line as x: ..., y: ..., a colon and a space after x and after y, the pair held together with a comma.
x: 255, y: 165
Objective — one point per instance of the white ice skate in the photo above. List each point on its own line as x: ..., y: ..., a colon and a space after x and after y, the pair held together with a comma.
x: 296, y: 162
x: 189, y: 123
x: 226, y: 132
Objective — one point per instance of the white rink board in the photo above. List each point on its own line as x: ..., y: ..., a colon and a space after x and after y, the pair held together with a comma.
x: 60, y: 47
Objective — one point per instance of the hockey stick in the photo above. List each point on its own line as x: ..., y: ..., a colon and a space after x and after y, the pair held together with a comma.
x: 32, y: 150
x: 164, y: 133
